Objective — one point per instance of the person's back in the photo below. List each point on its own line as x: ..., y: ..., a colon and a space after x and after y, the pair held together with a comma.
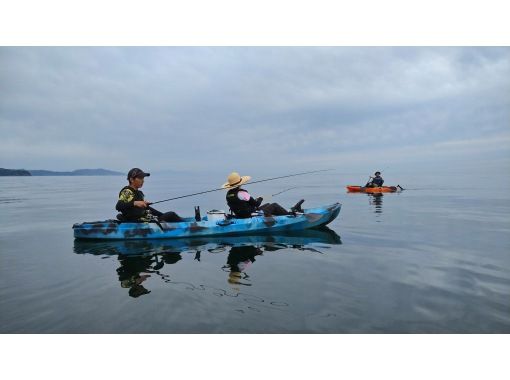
x: 241, y: 203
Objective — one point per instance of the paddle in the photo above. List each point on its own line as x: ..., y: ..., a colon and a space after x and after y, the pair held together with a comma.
x: 251, y: 183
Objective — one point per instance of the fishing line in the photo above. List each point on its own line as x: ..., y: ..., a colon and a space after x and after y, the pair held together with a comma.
x: 251, y: 183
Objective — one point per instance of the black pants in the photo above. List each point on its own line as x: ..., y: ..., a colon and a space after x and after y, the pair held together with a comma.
x: 274, y: 209
x: 170, y: 216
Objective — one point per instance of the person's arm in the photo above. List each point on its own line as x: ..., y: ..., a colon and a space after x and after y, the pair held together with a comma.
x: 255, y: 202
x: 245, y: 196
x: 126, y: 201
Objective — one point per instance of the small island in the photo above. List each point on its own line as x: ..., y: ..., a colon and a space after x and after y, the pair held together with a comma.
x: 14, y: 172
x: 78, y: 172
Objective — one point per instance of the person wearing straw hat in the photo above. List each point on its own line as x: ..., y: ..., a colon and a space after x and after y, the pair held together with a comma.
x: 132, y: 205
x: 242, y: 204
x: 238, y: 261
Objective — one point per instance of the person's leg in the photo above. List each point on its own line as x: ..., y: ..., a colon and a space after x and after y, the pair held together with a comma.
x: 171, y: 217
x: 274, y: 209
x: 155, y: 212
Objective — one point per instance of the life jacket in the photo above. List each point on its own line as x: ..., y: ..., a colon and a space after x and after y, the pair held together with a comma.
x: 132, y: 213
x: 240, y: 208
x: 377, y: 181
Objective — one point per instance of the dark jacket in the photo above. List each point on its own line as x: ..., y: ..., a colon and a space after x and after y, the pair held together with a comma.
x: 376, y: 182
x: 240, y: 208
x: 125, y: 204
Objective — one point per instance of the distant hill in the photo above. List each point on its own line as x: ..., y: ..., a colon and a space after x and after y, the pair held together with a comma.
x: 78, y: 172
x: 14, y: 172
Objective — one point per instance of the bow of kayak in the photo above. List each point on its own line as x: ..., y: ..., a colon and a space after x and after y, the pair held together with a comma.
x: 113, y: 229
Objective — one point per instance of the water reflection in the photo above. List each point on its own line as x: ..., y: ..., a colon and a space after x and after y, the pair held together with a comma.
x: 141, y: 259
x: 134, y: 270
x: 376, y: 200
x: 238, y: 261
x: 300, y: 240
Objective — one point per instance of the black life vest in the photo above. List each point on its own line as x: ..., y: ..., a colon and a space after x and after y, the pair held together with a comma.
x: 377, y: 181
x: 132, y: 213
x: 240, y: 208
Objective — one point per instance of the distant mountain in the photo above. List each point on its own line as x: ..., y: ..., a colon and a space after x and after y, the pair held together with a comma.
x: 78, y: 172
x: 14, y: 172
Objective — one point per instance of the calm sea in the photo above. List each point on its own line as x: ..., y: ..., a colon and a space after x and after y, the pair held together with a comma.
x: 432, y: 259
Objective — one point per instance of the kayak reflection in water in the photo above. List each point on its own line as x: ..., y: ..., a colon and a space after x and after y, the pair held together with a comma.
x: 376, y: 199
x: 238, y: 261
x: 134, y: 270
x: 141, y: 259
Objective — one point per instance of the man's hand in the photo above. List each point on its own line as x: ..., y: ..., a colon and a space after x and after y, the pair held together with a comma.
x: 141, y: 204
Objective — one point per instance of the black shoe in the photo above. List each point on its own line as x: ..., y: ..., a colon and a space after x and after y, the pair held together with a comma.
x: 297, y: 206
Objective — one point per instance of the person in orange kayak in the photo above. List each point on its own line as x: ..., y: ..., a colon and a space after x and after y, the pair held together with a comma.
x: 132, y: 205
x: 375, y: 181
x: 242, y: 204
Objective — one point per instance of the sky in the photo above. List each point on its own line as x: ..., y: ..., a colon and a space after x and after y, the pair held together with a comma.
x: 255, y: 109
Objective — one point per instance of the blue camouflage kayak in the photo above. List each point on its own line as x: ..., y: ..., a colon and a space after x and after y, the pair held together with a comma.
x: 113, y: 229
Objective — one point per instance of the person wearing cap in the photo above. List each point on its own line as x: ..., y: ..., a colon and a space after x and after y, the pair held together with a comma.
x: 133, y: 271
x: 375, y: 181
x: 242, y: 204
x: 134, y: 207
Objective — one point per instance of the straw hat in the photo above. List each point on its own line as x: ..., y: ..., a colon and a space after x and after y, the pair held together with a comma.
x: 235, y: 180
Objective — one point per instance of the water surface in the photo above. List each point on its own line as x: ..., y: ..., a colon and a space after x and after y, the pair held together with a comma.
x: 432, y: 259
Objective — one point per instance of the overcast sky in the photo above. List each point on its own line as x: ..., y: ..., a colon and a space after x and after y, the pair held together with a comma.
x: 282, y: 109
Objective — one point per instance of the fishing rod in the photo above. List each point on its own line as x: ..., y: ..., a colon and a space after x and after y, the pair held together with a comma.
x: 262, y: 180
x: 269, y: 196
x: 283, y: 191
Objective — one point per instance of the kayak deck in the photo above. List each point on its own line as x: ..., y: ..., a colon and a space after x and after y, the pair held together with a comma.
x: 113, y: 229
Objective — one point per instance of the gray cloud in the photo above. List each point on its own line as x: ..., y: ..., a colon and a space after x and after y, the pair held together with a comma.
x: 224, y: 108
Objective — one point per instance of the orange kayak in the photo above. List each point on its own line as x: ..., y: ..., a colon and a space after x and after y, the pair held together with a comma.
x: 361, y: 189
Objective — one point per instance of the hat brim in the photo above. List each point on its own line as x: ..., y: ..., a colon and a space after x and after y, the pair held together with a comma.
x: 244, y: 179
x: 143, y: 175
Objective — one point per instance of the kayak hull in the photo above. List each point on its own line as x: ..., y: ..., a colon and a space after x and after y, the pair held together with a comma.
x: 381, y: 189
x: 114, y: 230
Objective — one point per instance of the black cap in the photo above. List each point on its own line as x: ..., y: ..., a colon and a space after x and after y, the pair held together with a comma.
x: 377, y: 173
x: 135, y: 172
